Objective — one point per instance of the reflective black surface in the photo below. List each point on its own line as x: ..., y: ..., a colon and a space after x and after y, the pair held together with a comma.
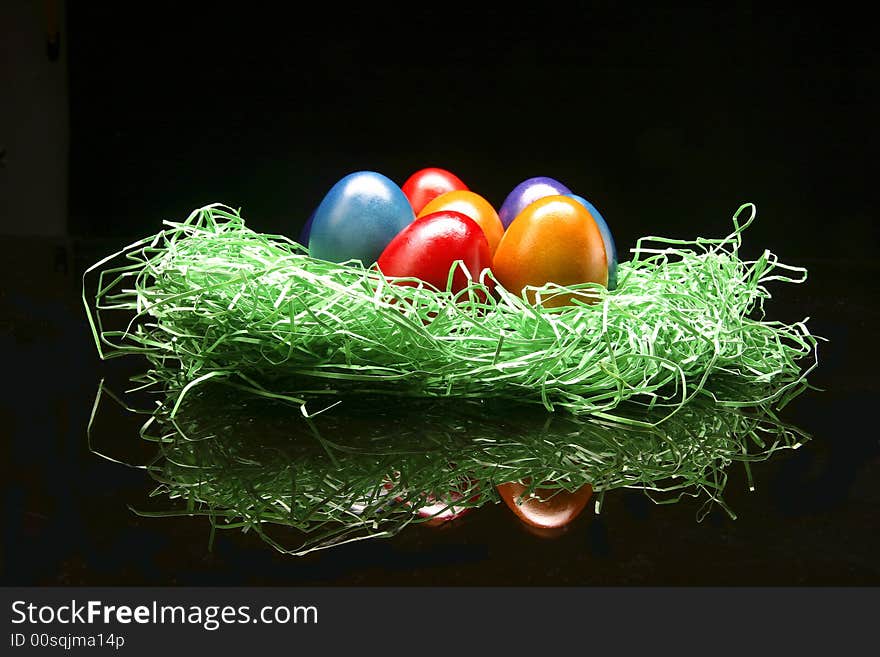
x: 813, y: 519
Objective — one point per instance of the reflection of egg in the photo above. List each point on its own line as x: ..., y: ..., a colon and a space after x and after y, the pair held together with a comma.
x: 548, y: 508
x: 607, y: 238
x: 526, y: 193
x: 471, y: 205
x: 554, y: 240
x: 358, y: 217
x: 440, y: 510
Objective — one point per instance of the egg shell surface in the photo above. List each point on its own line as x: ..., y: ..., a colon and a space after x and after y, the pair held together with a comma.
x: 427, y: 184
x: 526, y: 193
x: 358, y: 217
x: 306, y: 229
x: 474, y: 206
x: 607, y: 238
x: 428, y: 247
x: 554, y: 240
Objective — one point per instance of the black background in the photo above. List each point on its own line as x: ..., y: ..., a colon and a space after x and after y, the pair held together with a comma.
x: 667, y: 119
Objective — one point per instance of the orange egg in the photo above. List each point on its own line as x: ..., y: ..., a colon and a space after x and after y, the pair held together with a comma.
x: 472, y: 205
x: 553, y: 240
x: 547, y: 508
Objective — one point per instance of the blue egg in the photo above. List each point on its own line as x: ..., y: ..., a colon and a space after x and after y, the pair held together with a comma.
x: 358, y: 217
x: 610, y: 248
x: 306, y: 230
x: 526, y: 193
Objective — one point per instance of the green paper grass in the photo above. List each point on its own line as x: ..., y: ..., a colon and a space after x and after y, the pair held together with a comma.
x: 250, y: 463
x: 210, y: 299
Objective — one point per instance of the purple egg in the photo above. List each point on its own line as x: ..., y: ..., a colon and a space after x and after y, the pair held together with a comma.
x: 526, y: 193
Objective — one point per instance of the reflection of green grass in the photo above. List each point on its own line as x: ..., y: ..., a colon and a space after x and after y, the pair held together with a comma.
x: 212, y: 299
x: 249, y: 462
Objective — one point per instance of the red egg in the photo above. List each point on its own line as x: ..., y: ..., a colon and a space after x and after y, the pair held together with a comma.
x: 550, y: 508
x: 438, y: 511
x: 425, y: 185
x: 427, y: 248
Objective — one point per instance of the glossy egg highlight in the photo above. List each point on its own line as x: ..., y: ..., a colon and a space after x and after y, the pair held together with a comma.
x: 526, y: 193
x: 474, y: 206
x: 425, y: 185
x: 607, y: 238
x: 554, y: 240
x: 358, y: 218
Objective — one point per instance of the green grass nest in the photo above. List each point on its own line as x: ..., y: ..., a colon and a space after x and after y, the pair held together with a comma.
x: 658, y: 385
x: 210, y: 298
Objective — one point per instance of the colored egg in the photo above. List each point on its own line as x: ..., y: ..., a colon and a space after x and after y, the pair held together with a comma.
x: 554, y: 240
x: 306, y: 230
x: 427, y: 184
x: 474, y: 206
x: 607, y: 238
x: 526, y: 193
x: 440, y: 511
x: 448, y: 507
x: 548, y: 508
x: 358, y: 218
x: 428, y: 247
